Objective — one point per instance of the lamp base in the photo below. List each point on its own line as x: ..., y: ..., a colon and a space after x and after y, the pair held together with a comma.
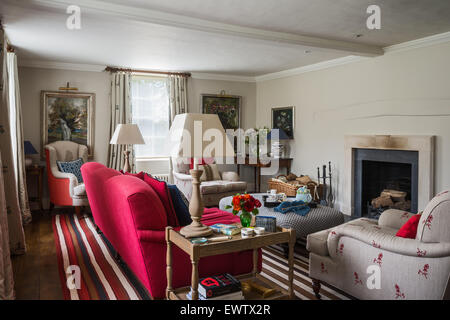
x: 196, y: 228
x: 192, y: 231
x: 28, y: 161
x: 126, y: 167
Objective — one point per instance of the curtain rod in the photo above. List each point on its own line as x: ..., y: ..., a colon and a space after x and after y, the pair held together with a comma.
x: 112, y: 69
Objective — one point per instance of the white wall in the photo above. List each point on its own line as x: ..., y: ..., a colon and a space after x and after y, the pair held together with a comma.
x: 400, y: 93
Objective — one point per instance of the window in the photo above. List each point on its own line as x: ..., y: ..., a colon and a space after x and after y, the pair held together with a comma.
x: 150, y: 111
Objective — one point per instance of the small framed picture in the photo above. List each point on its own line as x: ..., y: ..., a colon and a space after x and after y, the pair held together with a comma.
x: 227, y: 107
x: 283, y: 118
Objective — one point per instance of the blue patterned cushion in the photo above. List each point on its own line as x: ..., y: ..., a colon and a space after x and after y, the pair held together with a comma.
x: 72, y: 167
x: 180, y: 204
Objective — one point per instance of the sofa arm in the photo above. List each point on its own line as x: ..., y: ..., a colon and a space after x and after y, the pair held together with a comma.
x: 394, y: 218
x: 154, y: 236
x: 230, y: 176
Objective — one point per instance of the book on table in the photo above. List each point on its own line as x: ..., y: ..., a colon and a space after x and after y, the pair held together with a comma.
x: 215, y: 286
x: 227, y: 229
x: 231, y: 296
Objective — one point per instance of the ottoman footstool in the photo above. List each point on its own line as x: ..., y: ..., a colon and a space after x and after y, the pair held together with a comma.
x: 317, y: 219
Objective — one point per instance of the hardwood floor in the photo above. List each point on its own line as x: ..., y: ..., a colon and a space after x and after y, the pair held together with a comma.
x: 36, y: 272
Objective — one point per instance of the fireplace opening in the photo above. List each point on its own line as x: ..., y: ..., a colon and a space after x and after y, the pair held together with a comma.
x: 384, y: 179
x: 385, y: 185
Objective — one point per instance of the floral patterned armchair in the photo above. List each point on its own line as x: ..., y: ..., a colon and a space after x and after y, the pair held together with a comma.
x: 410, y: 268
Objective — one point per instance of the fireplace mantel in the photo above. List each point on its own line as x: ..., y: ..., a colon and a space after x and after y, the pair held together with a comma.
x: 424, y: 145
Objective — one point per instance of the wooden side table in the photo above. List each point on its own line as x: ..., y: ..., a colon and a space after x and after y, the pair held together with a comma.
x: 236, y: 244
x: 38, y: 172
x: 282, y: 163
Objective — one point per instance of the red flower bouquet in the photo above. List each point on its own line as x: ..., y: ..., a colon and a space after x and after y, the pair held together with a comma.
x: 247, y: 204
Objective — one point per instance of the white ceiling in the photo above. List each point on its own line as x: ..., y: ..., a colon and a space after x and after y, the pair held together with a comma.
x: 161, y: 34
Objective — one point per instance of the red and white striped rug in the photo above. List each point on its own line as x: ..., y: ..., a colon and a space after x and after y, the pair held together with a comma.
x: 275, y: 268
x: 103, y: 278
x: 80, y: 247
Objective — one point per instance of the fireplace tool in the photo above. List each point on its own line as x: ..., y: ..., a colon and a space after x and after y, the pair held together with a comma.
x: 327, y: 193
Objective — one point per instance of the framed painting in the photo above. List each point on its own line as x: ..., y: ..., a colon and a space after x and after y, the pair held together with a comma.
x: 227, y: 107
x: 283, y: 118
x: 67, y: 116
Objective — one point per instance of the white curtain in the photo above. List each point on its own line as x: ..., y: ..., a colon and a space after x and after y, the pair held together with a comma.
x: 178, y: 103
x: 16, y: 132
x: 12, y: 204
x: 6, y: 275
x: 177, y: 95
x: 120, y: 114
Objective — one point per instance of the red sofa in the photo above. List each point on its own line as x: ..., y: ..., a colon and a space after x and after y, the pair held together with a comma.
x: 131, y: 216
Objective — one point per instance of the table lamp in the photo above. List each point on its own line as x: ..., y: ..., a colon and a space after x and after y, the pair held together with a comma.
x: 28, y: 150
x: 193, y: 135
x: 278, y: 148
x: 127, y: 134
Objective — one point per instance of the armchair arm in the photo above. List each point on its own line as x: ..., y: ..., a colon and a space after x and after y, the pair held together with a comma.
x: 182, y: 176
x: 83, y: 152
x: 394, y: 218
x: 373, y: 237
x: 230, y: 176
x: 183, y: 183
x: 58, y: 179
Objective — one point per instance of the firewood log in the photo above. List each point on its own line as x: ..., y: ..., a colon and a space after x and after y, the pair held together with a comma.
x: 394, y: 194
x: 382, y: 201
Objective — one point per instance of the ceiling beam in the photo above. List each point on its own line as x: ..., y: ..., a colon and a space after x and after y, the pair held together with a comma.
x: 185, y: 22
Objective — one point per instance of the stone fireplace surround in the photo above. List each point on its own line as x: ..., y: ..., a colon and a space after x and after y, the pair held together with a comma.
x: 424, y: 145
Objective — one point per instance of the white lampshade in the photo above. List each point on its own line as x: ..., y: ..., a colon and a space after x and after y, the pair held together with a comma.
x: 199, y: 135
x: 127, y: 134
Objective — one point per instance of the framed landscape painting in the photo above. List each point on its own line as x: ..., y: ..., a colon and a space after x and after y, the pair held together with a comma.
x: 67, y: 116
x: 227, y: 107
x: 283, y: 118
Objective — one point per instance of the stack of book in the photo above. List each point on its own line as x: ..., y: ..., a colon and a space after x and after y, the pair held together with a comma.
x: 221, y: 287
x: 227, y: 229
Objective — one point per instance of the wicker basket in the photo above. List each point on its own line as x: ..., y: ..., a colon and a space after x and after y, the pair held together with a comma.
x: 291, y: 190
x: 283, y: 187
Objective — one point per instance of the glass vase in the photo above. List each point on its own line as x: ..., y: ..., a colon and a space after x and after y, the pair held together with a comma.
x: 246, y: 219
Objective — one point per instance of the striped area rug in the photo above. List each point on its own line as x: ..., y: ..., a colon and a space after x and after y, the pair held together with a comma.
x: 275, y: 268
x: 102, y: 277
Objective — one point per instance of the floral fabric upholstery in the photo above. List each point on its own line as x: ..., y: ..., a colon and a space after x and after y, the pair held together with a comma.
x: 410, y: 268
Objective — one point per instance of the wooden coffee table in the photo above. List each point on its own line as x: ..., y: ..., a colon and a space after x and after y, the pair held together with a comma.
x: 236, y: 244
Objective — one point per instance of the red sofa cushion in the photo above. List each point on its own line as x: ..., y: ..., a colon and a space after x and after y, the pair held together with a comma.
x: 147, y: 217
x: 201, y: 162
x: 163, y: 193
x: 139, y: 175
x: 409, y: 229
